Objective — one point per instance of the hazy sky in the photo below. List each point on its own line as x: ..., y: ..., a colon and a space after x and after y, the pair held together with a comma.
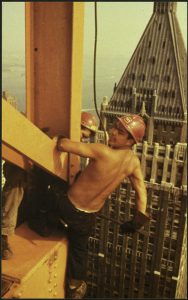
x: 120, y: 26
x: 13, y: 27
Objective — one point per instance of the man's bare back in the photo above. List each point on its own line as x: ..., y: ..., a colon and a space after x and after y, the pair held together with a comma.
x: 100, y: 178
x: 108, y: 167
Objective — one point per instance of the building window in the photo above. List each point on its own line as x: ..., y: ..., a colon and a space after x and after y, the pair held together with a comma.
x: 173, y: 94
x: 164, y: 42
x: 133, y: 76
x: 168, y: 61
x: 140, y: 60
x: 169, y: 168
x: 143, y: 77
x: 168, y: 78
x: 149, y: 44
x: 159, y: 26
x: 173, y: 128
x: 138, y: 106
x: 164, y: 127
x: 180, y: 157
x: 156, y: 77
x: 153, y: 60
x: 165, y: 94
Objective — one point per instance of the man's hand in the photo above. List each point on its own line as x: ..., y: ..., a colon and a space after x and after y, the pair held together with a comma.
x: 127, y: 227
x: 58, y: 139
x: 138, y: 221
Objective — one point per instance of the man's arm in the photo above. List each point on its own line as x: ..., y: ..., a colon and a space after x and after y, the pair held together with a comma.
x: 93, y: 151
x: 140, y: 218
x: 137, y: 182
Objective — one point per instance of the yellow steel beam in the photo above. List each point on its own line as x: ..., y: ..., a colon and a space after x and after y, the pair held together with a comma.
x: 10, y: 154
x: 54, y: 66
x: 76, y: 83
x: 22, y: 140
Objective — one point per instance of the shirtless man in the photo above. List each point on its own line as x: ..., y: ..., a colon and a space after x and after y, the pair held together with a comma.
x: 107, y: 168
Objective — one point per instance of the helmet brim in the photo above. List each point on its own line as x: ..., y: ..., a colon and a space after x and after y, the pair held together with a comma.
x: 93, y: 130
x: 128, y: 129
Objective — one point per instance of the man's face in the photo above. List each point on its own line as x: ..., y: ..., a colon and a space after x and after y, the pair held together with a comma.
x: 119, y: 136
x: 85, y: 134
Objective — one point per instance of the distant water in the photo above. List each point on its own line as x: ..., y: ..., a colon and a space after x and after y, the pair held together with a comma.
x: 13, y: 81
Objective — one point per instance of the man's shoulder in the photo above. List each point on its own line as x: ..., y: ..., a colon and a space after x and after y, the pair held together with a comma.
x: 102, y: 147
x: 133, y: 161
x: 100, y: 151
x: 136, y: 160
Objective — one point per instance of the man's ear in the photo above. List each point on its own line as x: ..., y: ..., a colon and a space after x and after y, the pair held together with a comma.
x: 131, y: 142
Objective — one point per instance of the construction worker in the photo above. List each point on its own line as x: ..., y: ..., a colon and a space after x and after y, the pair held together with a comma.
x: 12, y: 195
x: 17, y: 182
x: 107, y: 168
x: 88, y: 126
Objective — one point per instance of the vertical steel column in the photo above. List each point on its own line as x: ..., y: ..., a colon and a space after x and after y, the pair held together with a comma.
x: 54, y: 56
x: 76, y: 82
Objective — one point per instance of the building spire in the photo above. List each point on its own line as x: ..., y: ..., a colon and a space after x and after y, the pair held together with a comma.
x: 163, y: 7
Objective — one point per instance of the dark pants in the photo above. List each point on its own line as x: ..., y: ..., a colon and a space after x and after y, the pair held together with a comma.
x: 79, y: 229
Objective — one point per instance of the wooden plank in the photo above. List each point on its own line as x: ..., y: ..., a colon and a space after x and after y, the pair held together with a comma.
x: 28, y: 141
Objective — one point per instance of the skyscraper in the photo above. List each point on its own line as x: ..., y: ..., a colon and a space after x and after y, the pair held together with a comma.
x: 153, y: 85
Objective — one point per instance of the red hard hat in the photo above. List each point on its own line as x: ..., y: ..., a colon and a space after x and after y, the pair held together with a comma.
x: 89, y: 121
x: 135, y: 125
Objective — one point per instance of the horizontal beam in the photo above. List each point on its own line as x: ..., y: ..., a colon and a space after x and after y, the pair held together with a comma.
x: 22, y: 140
x: 13, y: 156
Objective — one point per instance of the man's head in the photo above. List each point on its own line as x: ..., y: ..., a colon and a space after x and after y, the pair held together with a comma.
x: 88, y: 125
x: 127, y: 131
x: 135, y: 125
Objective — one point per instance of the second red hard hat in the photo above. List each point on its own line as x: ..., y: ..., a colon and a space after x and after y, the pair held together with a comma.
x: 89, y: 121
